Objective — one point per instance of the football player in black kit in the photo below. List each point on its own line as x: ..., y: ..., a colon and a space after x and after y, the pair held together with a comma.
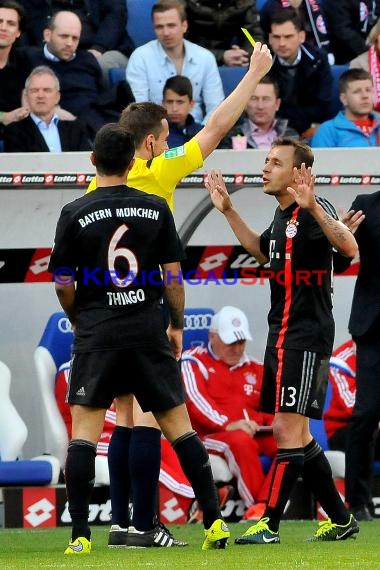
x: 299, y: 247
x: 115, y: 240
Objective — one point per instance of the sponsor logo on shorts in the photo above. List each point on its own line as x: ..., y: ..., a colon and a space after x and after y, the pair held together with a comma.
x: 81, y: 392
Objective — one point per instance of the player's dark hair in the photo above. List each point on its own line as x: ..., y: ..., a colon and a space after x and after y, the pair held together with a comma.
x: 283, y: 15
x: 142, y: 119
x: 165, y: 5
x: 180, y: 85
x: 113, y: 150
x: 268, y: 80
x: 302, y: 151
x: 355, y: 74
x: 13, y: 5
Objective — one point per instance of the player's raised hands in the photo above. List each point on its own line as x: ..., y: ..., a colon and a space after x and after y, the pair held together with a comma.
x: 261, y: 59
x: 218, y: 191
x: 303, y: 188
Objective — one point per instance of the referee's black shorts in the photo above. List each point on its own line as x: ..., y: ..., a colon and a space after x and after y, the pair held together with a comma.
x: 150, y: 372
x: 295, y: 381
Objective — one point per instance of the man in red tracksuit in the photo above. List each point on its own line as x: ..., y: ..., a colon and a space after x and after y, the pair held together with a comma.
x: 223, y: 391
x: 342, y: 376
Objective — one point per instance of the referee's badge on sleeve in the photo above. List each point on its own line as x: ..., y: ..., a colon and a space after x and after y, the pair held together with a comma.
x: 174, y: 152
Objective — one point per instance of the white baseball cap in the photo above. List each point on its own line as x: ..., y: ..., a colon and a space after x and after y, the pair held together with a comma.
x: 231, y: 325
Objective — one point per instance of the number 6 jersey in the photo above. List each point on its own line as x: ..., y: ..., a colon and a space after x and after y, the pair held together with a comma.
x: 112, y: 242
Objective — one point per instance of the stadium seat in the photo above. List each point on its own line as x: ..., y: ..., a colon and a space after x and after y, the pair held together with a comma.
x: 53, y: 350
x: 139, y: 25
x: 260, y: 4
x: 230, y: 77
x: 13, y: 431
x: 337, y: 71
x: 116, y: 74
x: 13, y: 434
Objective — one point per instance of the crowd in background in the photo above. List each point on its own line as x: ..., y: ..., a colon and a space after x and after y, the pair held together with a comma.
x: 312, y: 41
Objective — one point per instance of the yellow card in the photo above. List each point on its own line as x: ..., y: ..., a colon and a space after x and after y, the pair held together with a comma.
x: 248, y: 36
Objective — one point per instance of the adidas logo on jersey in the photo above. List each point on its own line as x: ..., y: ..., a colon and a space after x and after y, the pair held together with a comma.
x: 315, y: 405
x: 81, y: 392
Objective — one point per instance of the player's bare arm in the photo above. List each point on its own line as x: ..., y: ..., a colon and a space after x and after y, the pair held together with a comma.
x: 336, y: 232
x: 229, y: 111
x: 249, y: 238
x: 66, y: 298
x: 175, y: 295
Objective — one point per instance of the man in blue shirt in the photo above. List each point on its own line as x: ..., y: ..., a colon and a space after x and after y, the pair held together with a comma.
x: 170, y: 54
x: 357, y: 125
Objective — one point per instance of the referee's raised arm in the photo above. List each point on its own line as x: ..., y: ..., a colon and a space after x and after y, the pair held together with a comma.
x: 228, y: 112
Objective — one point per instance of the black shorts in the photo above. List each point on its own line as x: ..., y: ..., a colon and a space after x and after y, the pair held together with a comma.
x: 150, y: 372
x: 294, y: 381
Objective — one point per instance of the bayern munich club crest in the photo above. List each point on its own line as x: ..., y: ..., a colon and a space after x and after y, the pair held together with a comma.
x: 291, y: 229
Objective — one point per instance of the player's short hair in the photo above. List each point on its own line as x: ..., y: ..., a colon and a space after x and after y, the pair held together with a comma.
x: 180, y: 85
x: 42, y: 70
x: 268, y: 80
x: 283, y: 15
x: 302, y: 151
x: 354, y: 74
x: 13, y: 5
x: 113, y: 150
x: 142, y: 119
x: 165, y: 5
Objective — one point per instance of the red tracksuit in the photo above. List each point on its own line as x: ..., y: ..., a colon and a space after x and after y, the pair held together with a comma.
x: 342, y: 376
x: 217, y: 395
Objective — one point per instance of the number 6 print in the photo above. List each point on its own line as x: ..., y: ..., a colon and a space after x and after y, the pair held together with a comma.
x: 129, y: 256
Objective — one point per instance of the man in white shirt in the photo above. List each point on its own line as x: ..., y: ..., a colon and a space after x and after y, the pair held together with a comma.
x: 170, y: 54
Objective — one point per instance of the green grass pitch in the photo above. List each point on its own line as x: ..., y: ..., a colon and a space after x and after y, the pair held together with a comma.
x: 33, y: 549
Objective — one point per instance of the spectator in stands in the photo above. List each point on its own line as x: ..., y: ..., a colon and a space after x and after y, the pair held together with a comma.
x: 178, y: 101
x: 260, y: 125
x: 79, y: 75
x: 223, y: 386
x: 349, y: 22
x: 217, y: 27
x: 312, y: 18
x: 14, y: 64
x: 103, y: 22
x: 357, y: 125
x: 302, y: 72
x: 170, y: 54
x: 42, y: 131
x: 370, y: 61
x: 338, y: 416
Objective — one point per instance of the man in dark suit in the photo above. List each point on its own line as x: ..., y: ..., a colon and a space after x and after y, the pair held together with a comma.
x: 79, y: 73
x: 302, y: 72
x: 42, y: 130
x: 364, y: 327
